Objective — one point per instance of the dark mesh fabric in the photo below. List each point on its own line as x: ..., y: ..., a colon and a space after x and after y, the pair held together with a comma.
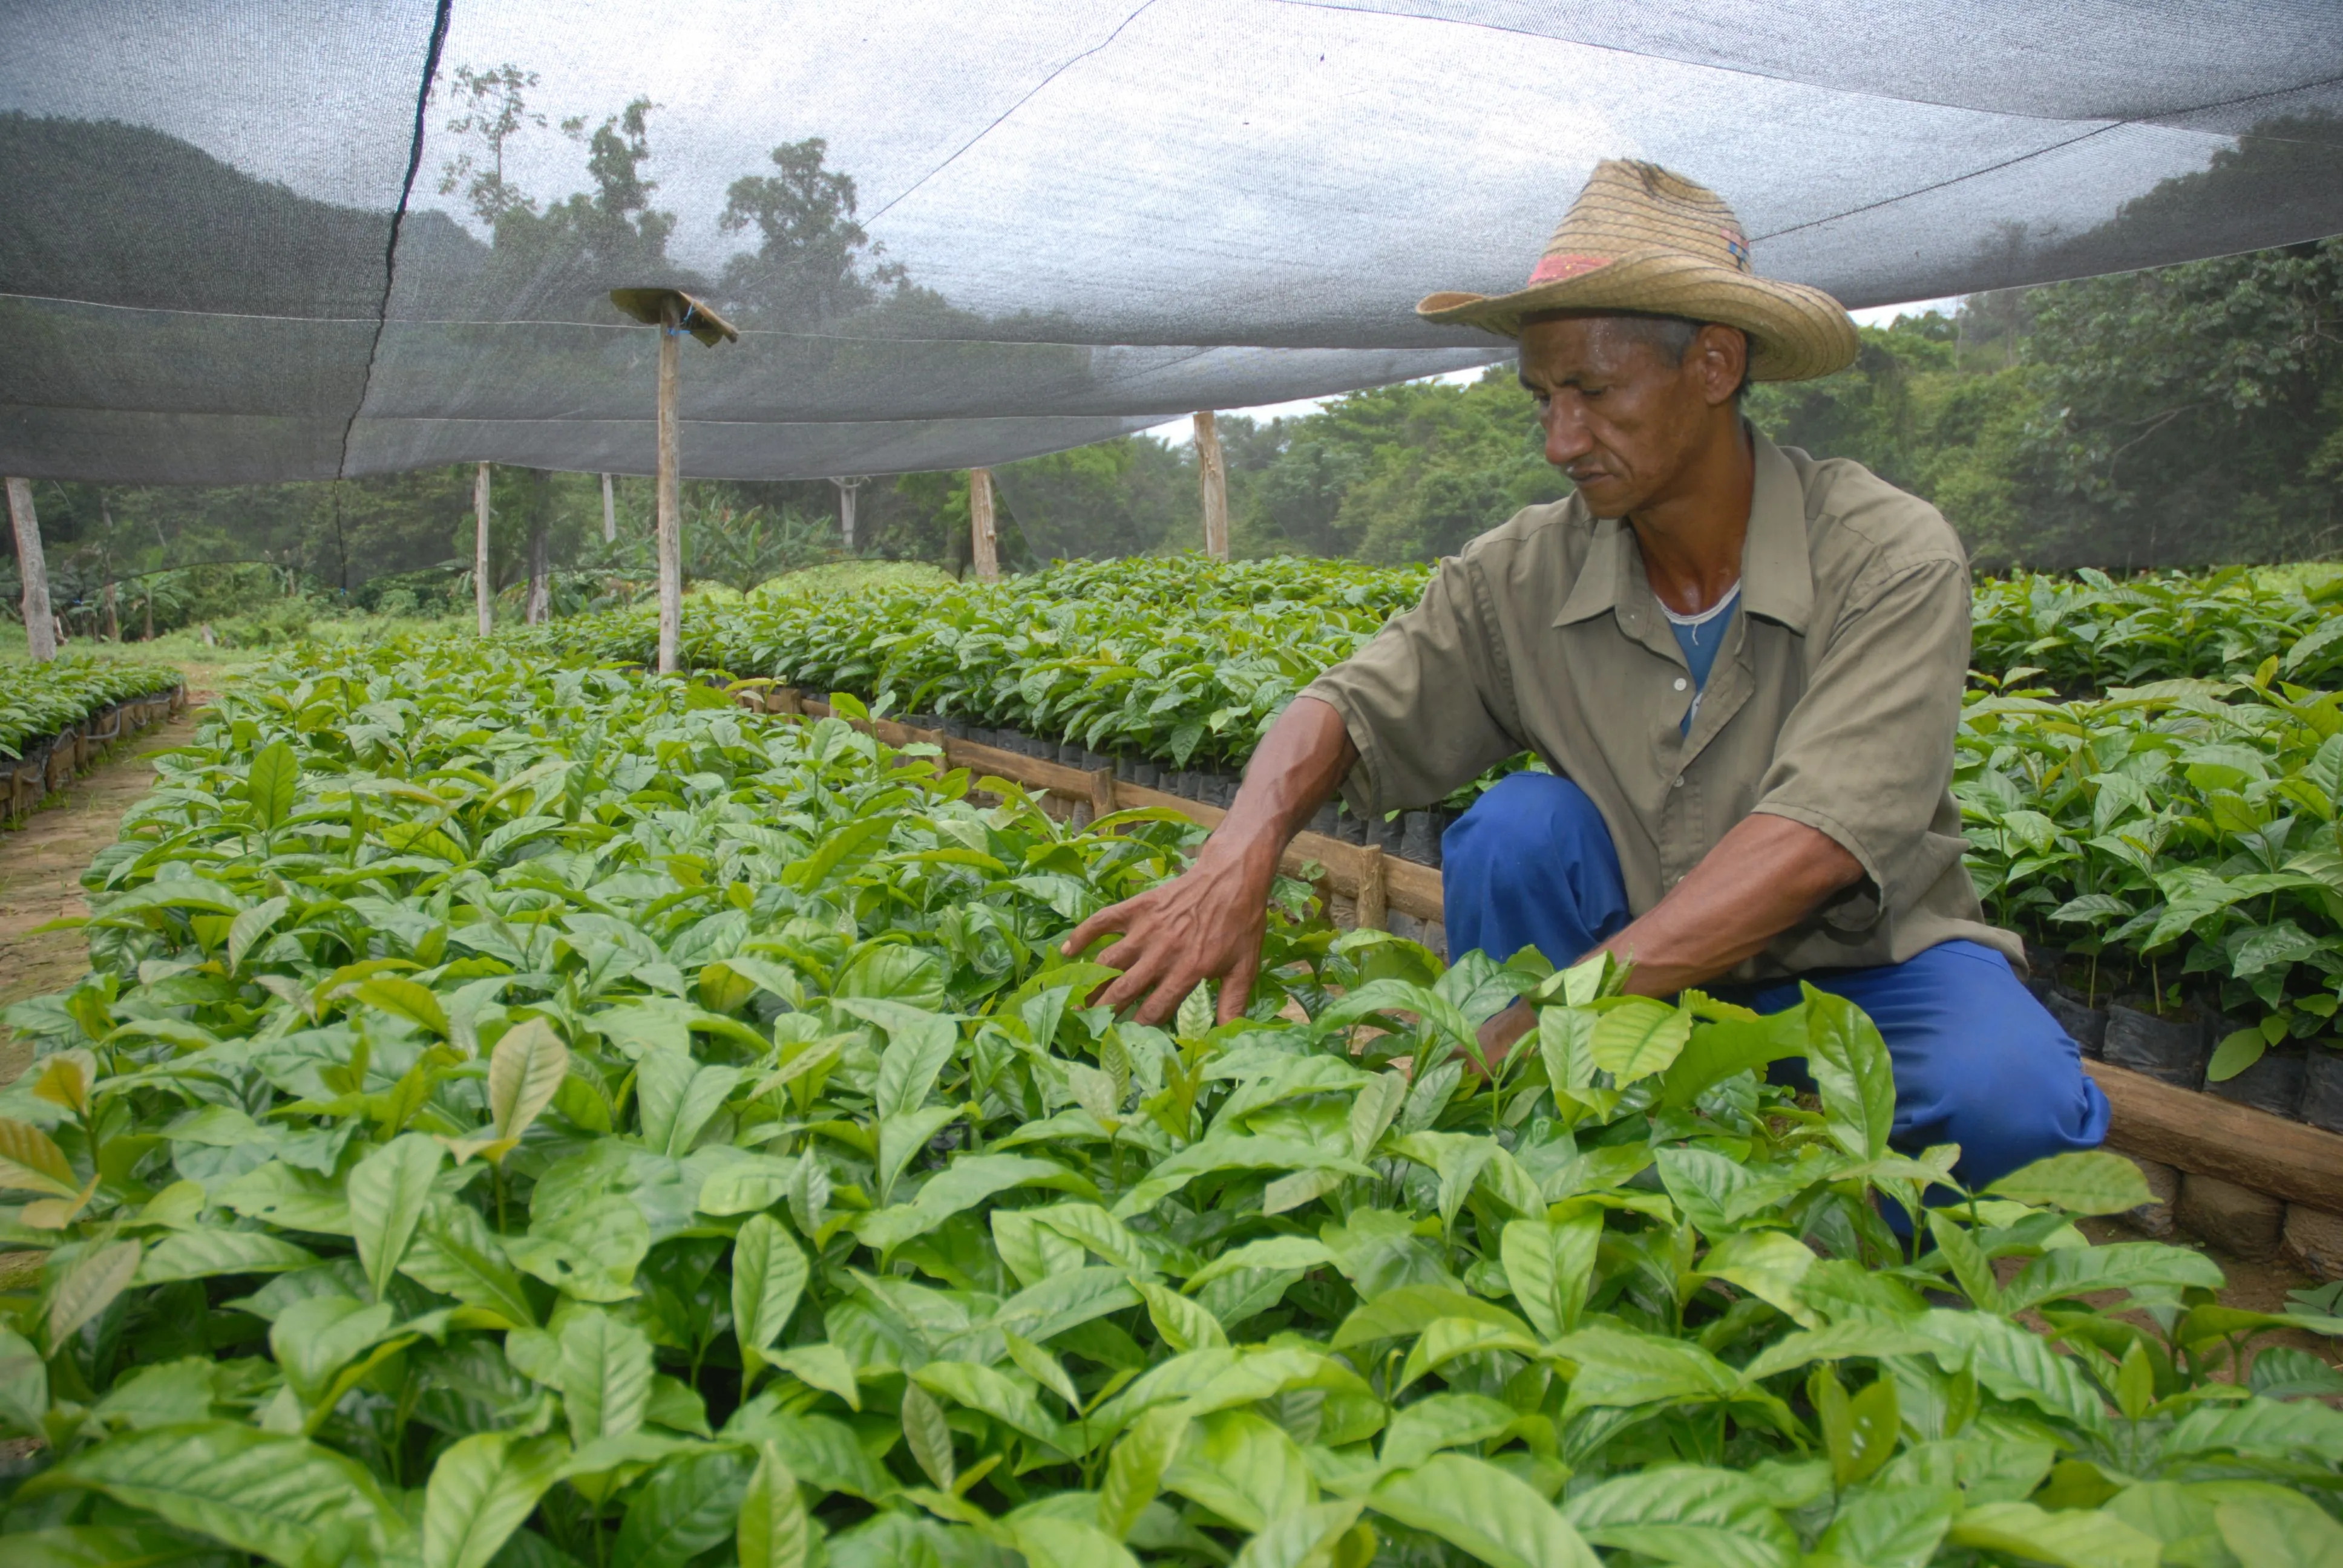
x: 1076, y: 219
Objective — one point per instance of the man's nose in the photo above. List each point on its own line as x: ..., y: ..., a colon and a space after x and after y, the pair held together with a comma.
x: 1566, y: 440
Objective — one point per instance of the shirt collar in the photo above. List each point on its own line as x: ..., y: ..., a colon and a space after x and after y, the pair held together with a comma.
x: 1776, y: 573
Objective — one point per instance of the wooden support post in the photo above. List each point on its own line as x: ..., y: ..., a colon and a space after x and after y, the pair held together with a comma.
x: 113, y: 615
x: 609, y: 513
x: 32, y: 571
x: 1212, y: 472
x: 1102, y: 796
x: 1374, y: 910
x: 848, y: 488
x: 484, y: 599
x: 984, y: 543
x: 538, y: 607
x: 671, y: 493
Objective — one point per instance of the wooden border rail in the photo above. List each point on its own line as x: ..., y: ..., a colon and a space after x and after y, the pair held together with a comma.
x: 2188, y: 1139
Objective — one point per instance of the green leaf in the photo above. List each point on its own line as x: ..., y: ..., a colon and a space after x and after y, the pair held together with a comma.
x: 1692, y: 1514
x: 1549, y: 1264
x: 103, y: 1546
x: 929, y: 1437
x: 1478, y: 1508
x: 1424, y: 1427
x: 2113, y: 1266
x: 769, y: 1275
x: 86, y: 1286
x: 201, y: 1254
x: 2280, y: 1531
x: 1182, y: 1321
x: 1851, y: 1068
x: 406, y: 998
x: 687, y: 1505
x: 1859, y: 1433
x: 282, y: 1498
x: 525, y: 1071
x: 919, y: 1046
x: 1639, y: 1037
x: 2236, y: 1052
x: 774, y: 1532
x: 1048, y: 1541
x: 317, y: 1337
x: 982, y: 1387
x: 482, y: 1489
x: 1305, y: 1538
x: 2092, y: 1182
x: 1134, y: 1471
x: 1769, y: 1265
x: 1968, y: 1261
x: 1622, y: 1368
x: 606, y: 1375
x: 387, y: 1192
x: 1243, y: 1468
x: 1891, y: 1527
x: 250, y: 926
x: 455, y: 1252
x: 2077, y: 1538
x: 271, y: 784
x: 31, y: 1162
x: 24, y: 1386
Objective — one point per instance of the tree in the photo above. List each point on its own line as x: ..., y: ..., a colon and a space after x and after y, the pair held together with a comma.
x: 810, y: 261
x: 494, y: 110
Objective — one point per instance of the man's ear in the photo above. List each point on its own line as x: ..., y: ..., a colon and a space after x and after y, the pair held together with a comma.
x: 1720, y: 358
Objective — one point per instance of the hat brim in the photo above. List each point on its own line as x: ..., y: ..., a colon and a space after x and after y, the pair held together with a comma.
x: 1796, y: 333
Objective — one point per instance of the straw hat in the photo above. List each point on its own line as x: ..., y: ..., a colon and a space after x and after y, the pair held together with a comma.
x: 1640, y: 239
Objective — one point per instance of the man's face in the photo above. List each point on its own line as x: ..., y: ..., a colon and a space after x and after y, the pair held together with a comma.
x: 1624, y: 423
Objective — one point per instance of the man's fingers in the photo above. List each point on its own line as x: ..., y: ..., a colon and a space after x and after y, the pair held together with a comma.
x: 1236, y: 986
x: 1113, y: 918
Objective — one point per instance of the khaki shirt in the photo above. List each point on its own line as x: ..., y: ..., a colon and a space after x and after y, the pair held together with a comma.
x: 1832, y: 701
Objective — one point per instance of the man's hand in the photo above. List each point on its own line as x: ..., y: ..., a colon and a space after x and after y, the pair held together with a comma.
x: 1209, y: 923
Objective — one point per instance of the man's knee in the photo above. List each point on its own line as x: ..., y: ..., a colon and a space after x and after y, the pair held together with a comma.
x: 1524, y: 829
x: 1994, y: 1073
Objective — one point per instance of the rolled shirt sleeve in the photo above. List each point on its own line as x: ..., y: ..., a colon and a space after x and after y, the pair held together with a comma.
x: 1429, y: 703
x: 1866, y: 756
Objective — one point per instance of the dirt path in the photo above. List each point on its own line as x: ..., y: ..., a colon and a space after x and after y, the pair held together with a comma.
x: 41, y: 865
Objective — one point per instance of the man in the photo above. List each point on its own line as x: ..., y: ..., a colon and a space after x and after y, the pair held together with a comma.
x: 1742, y: 665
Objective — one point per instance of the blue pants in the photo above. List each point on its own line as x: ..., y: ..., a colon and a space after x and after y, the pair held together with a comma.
x: 1978, y: 1062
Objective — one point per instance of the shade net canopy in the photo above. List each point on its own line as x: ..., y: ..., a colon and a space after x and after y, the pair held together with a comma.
x: 260, y: 240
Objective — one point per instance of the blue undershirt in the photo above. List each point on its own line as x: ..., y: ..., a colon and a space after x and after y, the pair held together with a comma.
x: 1700, y: 637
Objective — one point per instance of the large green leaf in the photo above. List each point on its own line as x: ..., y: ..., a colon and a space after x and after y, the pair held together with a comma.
x: 1850, y: 1065
x: 272, y: 784
x: 2087, y: 1182
x: 1487, y: 1511
x: 769, y: 1276
x: 686, y: 1506
x: 389, y: 1190
x: 282, y: 1498
x: 481, y: 1489
x: 606, y: 1375
x: 773, y: 1532
x: 1639, y: 1037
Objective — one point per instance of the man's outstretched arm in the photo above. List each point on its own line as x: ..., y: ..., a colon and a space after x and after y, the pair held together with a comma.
x: 1208, y: 923
x: 1764, y: 877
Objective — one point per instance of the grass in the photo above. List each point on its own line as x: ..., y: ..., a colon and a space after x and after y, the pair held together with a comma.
x: 846, y: 577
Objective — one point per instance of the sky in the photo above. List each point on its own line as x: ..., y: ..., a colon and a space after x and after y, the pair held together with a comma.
x: 1183, y: 428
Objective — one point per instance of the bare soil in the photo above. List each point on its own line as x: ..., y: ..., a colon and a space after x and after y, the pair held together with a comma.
x: 41, y: 864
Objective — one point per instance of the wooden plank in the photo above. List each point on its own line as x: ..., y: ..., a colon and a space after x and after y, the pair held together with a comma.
x: 32, y: 571
x: 1412, y: 889
x: 1212, y: 474
x: 609, y: 513
x: 2216, y: 1137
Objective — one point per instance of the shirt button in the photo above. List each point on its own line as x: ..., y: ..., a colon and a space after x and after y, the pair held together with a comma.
x: 1681, y: 683
x: 1678, y: 782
